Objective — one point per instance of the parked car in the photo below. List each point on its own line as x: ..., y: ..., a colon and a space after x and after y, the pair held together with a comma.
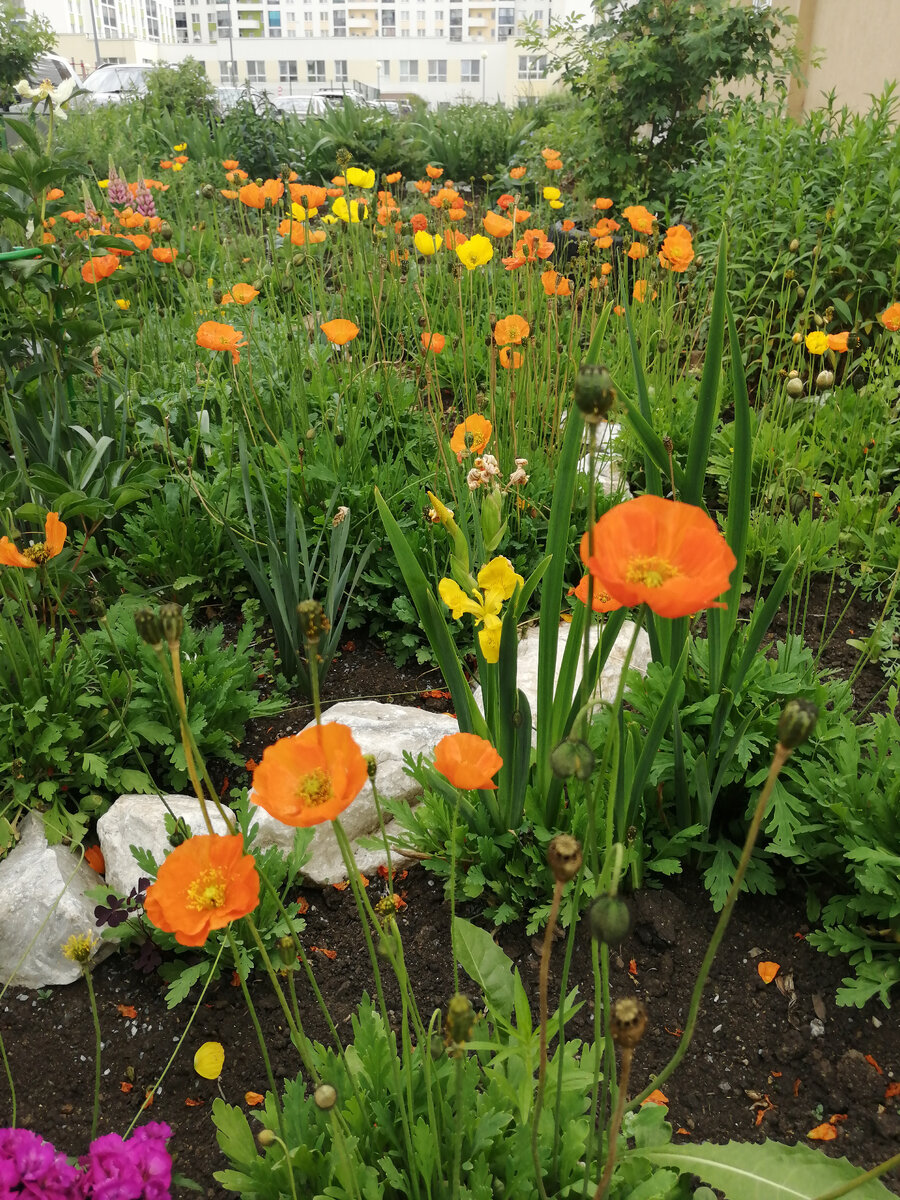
x: 301, y: 106
x: 114, y: 83
x: 336, y: 97
x: 227, y: 96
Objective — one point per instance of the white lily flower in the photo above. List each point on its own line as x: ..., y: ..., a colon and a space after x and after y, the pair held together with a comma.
x: 56, y: 96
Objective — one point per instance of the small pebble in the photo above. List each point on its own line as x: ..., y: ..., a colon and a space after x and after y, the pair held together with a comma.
x: 817, y: 1027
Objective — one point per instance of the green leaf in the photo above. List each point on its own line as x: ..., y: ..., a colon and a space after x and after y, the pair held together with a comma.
x: 771, y: 1171
x: 234, y: 1135
x: 485, y: 963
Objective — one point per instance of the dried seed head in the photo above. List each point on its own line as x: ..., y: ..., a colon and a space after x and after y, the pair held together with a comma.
x: 564, y: 857
x: 628, y: 1022
x: 172, y: 621
x: 798, y: 720
x: 313, y: 622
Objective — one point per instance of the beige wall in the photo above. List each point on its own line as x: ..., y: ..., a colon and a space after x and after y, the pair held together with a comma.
x: 857, y: 43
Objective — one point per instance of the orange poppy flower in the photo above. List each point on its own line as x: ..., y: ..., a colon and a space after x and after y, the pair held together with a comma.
x: 164, y: 254
x: 423, y: 185
x: 513, y: 262
x: 418, y: 222
x: 555, y: 284
x: 637, y: 250
x: 604, y: 227
x: 668, y: 555
x: 471, y: 436
x: 433, y: 341
x: 510, y: 359
x: 311, y: 778
x: 677, y: 250
x: 456, y: 214
x: 241, y: 293
x: 517, y: 172
x: 181, y: 158
x: 505, y: 201
x: 47, y: 238
x: 601, y: 601
x: 228, y: 193
x: 230, y: 164
x: 638, y: 217
x: 334, y: 192
x: 166, y: 164
x: 640, y: 291
x: 236, y: 174
x: 606, y: 269
x: 308, y: 194
x: 99, y: 268
x: 55, y: 194
x: 619, y: 310
x: 547, y: 153
x: 339, y: 331
x: 838, y: 342
x: 388, y: 199
x: 453, y: 238
x: 204, y: 884
x: 39, y: 552
x: 520, y: 215
x: 567, y: 226
x: 394, y: 177
x: 339, y: 181
x: 533, y: 245
x: 603, y: 203
x: 214, y: 335
x: 511, y: 330
x: 890, y: 318
x: 255, y: 196
x: 469, y: 762
x: 434, y: 172
x: 74, y: 218
x: 298, y: 234
x: 140, y: 241
x: 497, y: 226
x: 553, y: 164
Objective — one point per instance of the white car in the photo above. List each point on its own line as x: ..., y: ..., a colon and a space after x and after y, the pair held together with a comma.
x: 301, y: 106
x: 114, y: 83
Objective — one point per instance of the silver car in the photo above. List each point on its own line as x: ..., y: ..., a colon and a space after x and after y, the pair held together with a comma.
x: 301, y: 106
x: 114, y: 83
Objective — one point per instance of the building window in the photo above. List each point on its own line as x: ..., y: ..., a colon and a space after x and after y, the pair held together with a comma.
x: 506, y: 24
x: 228, y: 72
x: 340, y: 70
x: 287, y: 71
x: 256, y: 71
x: 470, y: 70
x: 455, y: 26
x: 274, y: 24
x: 388, y: 22
x: 340, y: 23
x: 385, y: 68
x: 532, y: 66
x: 315, y: 70
x: 108, y: 18
x: 437, y: 70
x: 409, y: 70
x: 181, y: 33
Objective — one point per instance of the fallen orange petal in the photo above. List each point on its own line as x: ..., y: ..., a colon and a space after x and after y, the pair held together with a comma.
x: 192, y: 1103
x: 302, y: 905
x: 684, y: 1132
x: 822, y: 1133
x: 251, y: 764
x: 656, y: 1097
x: 127, y: 1010
x: 892, y: 1091
x: 148, y: 1098
x: 768, y: 971
x: 632, y: 967
x: 872, y: 1063
x: 125, y: 1086
x: 775, y: 1074
x: 328, y: 953
x: 796, y: 1088
x: 253, y: 1098
x: 93, y: 856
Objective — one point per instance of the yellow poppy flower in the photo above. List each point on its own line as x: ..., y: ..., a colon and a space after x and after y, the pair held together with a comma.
x: 427, y: 243
x: 178, y: 149
x: 358, y: 178
x: 352, y: 212
x: 551, y: 193
x: 477, y: 251
x: 124, y: 304
x: 817, y: 342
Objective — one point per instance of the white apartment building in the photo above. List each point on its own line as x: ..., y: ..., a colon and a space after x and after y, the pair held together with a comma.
x: 441, y: 50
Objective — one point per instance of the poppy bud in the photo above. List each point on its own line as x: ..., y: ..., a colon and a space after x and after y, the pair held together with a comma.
x: 186, y: 267
x: 628, y: 1022
x: 98, y: 608
x: 307, y: 376
x: 594, y: 393
x: 825, y: 379
x: 436, y: 1046
x: 460, y: 1020
x: 801, y: 293
x: 166, y: 232
x: 794, y: 246
x: 147, y: 623
x: 339, y: 438
x: 797, y: 338
x: 92, y: 803
x: 798, y: 720
x: 325, y: 1096
x: 266, y: 1137
x: 172, y: 622
x: 610, y: 919
x: 286, y: 950
x: 794, y: 388
x: 287, y: 284
x: 564, y: 857
x: 207, y: 191
x: 572, y: 758
x: 218, y: 296
x: 371, y: 766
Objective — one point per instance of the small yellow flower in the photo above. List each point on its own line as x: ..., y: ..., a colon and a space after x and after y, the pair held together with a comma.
x: 103, y: 183
x: 427, y: 243
x: 477, y: 251
x: 556, y: 204
x: 209, y: 1060
x: 177, y: 166
x: 79, y: 947
x: 817, y: 342
x: 209, y: 282
x: 358, y: 178
x: 551, y: 193
x: 178, y: 149
x: 497, y: 581
x: 124, y: 305
x: 352, y: 212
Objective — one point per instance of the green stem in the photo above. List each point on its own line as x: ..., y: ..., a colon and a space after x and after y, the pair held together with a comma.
x: 542, y: 1068
x: 270, y: 1075
x: 780, y: 757
x: 92, y: 1000
x: 300, y: 1040
x: 615, y: 1125
x: 458, y: 1130
x: 876, y: 1172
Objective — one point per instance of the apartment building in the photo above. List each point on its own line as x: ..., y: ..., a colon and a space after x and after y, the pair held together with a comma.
x: 440, y: 50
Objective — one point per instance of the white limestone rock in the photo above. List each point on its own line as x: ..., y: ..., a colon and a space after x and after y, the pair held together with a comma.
x: 141, y: 821
x: 385, y: 731
x: 42, y: 897
x: 527, y: 671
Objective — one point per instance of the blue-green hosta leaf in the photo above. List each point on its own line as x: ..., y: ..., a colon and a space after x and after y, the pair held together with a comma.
x: 771, y: 1171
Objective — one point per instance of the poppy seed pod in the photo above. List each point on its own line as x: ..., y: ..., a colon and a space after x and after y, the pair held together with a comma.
x: 594, y: 393
x: 172, y: 621
x: 564, y: 857
x: 610, y: 919
x: 325, y: 1096
x: 147, y: 623
x: 218, y: 296
x: 628, y: 1022
x: 798, y: 720
x: 166, y: 231
x: 207, y: 191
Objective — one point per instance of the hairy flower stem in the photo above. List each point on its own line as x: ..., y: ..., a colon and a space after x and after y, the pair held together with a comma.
x: 299, y: 1038
x: 270, y: 1075
x: 458, y: 1128
x: 277, y: 1141
x: 779, y: 758
x: 615, y: 1125
x: 92, y: 1000
x: 543, y: 983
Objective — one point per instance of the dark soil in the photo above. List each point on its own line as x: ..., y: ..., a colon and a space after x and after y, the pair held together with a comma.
x: 758, y: 1067
x: 754, y: 1050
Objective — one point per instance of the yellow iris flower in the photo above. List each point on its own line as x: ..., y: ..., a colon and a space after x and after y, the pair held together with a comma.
x: 497, y: 581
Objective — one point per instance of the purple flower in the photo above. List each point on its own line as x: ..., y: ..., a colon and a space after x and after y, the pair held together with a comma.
x: 35, y: 1169
x: 139, y: 1169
